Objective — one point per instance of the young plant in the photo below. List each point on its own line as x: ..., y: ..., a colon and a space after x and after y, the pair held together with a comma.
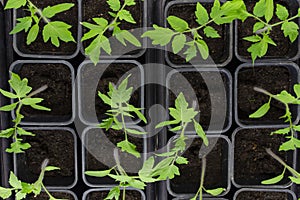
x: 23, y: 97
x: 22, y: 189
x: 263, y: 12
x: 99, y: 30
x: 220, y: 14
x: 287, y: 99
x: 53, y: 30
x: 295, y: 178
x: 213, y: 192
x: 118, y: 99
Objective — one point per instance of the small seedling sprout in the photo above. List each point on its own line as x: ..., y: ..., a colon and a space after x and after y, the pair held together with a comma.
x: 287, y: 99
x: 22, y: 189
x: 23, y: 96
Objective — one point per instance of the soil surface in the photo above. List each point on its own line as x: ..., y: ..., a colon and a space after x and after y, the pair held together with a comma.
x: 100, y: 153
x: 58, y: 195
x: 95, y: 8
x: 252, y: 164
x: 218, y: 47
x: 271, y: 78
x: 130, y: 195
x: 113, y: 74
x: 203, y: 95
x: 216, y: 168
x: 58, y: 147
x: 287, y: 49
x: 58, y: 95
x: 38, y: 46
x: 257, y: 195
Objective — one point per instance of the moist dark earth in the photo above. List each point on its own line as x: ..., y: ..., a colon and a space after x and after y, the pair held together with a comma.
x: 252, y: 164
x: 58, y: 95
x: 271, y: 78
x: 57, y: 146
x: 218, y: 47
x: 58, y: 195
x: 284, y: 48
x: 203, y: 95
x: 216, y: 169
x: 257, y: 195
x: 130, y: 195
x: 38, y: 46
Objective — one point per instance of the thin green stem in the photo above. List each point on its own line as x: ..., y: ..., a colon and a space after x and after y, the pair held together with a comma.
x: 200, y: 190
x: 281, y: 22
x: 124, y: 193
x: 39, y: 12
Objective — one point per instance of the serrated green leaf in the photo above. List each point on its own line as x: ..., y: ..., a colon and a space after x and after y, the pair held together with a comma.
x: 136, y: 132
x: 177, y: 23
x: 177, y: 128
x: 201, y: 14
x: 282, y: 131
x: 260, y: 8
x: 215, y: 192
x: 290, y: 29
x: 203, y: 48
x: 258, y: 49
x: 14, y: 181
x: 126, y: 35
x: 269, y: 10
x: 159, y: 35
x: 126, y: 15
x: 9, y: 107
x: 273, y: 180
x: 130, y: 2
x: 7, y: 133
x: 190, y: 53
x: 137, y: 112
x: 181, y: 160
x: 115, y: 5
x: 261, y: 111
x: 200, y: 132
x: 15, y: 4
x: 215, y: 10
x: 20, y: 195
x: 29, y: 101
x: 178, y: 43
x: 24, y: 23
x: 297, y: 90
x: 137, y: 184
x: 104, y: 98
x: 287, y: 146
x: 51, y: 11
x: 8, y: 94
x: 146, y: 171
x: 295, y: 180
x: 113, y: 193
x: 210, y: 32
x: 281, y: 12
x: 257, y: 26
x: 169, y: 172
x: 166, y: 154
x: 51, y: 168
x: 253, y: 38
x: 5, y: 192
x: 18, y: 147
x: 57, y: 30
x: 19, y: 86
x: 285, y: 97
x: 127, y: 146
x: 38, y: 107
x: 22, y: 131
x: 98, y: 173
x: 166, y: 123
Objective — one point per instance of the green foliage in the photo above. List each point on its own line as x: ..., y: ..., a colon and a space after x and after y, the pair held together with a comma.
x: 23, y: 97
x: 286, y: 98
x: 102, y: 26
x: 53, y: 30
x: 118, y: 99
x: 263, y: 12
x: 220, y: 14
x: 22, y: 189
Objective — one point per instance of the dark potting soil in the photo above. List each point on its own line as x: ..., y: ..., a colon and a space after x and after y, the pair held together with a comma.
x: 99, y: 152
x: 258, y: 195
x: 271, y: 78
x: 216, y: 168
x: 58, y: 95
x: 204, y: 96
x: 38, y: 46
x: 218, y: 47
x: 252, y: 164
x: 130, y: 195
x: 58, y: 147
x: 113, y: 74
x: 287, y: 49
x: 58, y: 195
x: 95, y: 8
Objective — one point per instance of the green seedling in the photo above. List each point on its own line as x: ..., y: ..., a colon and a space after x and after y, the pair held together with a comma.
x: 23, y: 189
x: 287, y: 99
x: 53, y: 30
x: 118, y: 99
x: 220, y: 14
x: 295, y: 178
x: 99, y: 30
x: 23, y: 97
x: 213, y: 192
x: 264, y: 12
